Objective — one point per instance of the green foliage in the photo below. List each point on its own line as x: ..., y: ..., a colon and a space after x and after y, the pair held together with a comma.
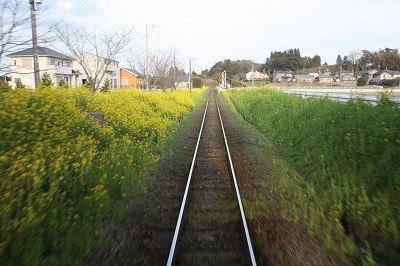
x: 19, y: 85
x: 106, y: 86
x: 361, y: 81
x: 4, y: 87
x: 63, y: 84
x: 390, y: 82
x: 46, y: 80
x: 197, y: 82
x: 291, y: 60
x: 347, y: 155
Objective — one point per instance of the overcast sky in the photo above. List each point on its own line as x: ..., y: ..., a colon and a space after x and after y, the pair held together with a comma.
x: 213, y: 30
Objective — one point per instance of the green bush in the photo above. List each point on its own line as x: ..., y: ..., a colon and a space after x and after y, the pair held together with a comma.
x: 19, y: 85
x: 4, y: 87
x: 63, y: 84
x: 390, y: 82
x: 106, y: 86
x: 46, y: 80
x: 361, y: 81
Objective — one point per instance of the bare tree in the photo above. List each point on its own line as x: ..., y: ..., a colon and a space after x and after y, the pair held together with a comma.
x: 94, y: 52
x: 160, y: 68
x: 138, y: 62
x: 14, y: 18
x: 354, y: 57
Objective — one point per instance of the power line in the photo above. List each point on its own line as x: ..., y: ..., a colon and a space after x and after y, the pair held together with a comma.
x: 96, y: 11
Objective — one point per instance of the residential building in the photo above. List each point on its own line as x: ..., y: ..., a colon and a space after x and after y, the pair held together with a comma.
x: 368, y: 74
x: 323, y: 78
x: 327, y: 72
x: 96, y: 65
x: 280, y: 75
x: 182, y: 82
x: 57, y: 65
x: 304, y: 78
x: 255, y: 75
x: 385, y: 74
x: 130, y: 78
x: 345, y: 75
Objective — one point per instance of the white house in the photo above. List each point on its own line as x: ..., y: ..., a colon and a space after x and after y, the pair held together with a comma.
x: 60, y: 66
x: 385, y: 74
x: 97, y: 65
x: 57, y: 65
x: 255, y: 75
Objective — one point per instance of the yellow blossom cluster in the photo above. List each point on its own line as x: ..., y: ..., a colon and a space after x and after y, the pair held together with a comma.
x: 60, y: 169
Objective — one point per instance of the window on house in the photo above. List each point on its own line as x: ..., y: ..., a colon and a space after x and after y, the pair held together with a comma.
x: 68, y: 63
x: 52, y: 62
x: 26, y: 62
x: 15, y: 62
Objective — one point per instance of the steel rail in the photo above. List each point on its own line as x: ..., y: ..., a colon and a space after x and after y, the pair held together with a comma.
x: 178, y: 224
x: 246, y: 230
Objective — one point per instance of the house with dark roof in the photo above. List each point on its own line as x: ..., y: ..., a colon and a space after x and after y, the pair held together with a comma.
x: 130, y: 78
x: 324, y: 78
x: 367, y: 74
x: 182, y: 82
x: 384, y: 75
x: 56, y: 64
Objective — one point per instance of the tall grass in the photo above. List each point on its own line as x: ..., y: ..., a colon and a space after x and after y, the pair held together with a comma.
x: 60, y: 170
x: 347, y: 156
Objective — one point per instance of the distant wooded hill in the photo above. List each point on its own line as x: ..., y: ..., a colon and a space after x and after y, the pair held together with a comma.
x: 292, y: 60
x: 235, y: 70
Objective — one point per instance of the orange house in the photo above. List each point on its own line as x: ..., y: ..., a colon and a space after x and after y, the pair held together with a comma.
x: 130, y: 78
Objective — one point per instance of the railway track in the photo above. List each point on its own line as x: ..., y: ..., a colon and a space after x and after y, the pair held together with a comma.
x: 211, y: 227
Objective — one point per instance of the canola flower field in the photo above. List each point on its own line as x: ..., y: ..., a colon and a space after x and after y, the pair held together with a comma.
x: 346, y: 185
x: 61, y: 170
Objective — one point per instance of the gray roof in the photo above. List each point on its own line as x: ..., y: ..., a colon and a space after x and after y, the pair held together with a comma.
x: 391, y: 72
x: 182, y: 78
x: 304, y: 77
x: 133, y: 71
x: 325, y: 76
x: 43, y: 51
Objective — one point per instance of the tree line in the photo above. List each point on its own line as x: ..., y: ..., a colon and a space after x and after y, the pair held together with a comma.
x: 365, y: 60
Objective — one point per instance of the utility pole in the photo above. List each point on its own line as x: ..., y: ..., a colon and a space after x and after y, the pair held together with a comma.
x: 146, y: 74
x: 190, y: 74
x: 35, y: 48
x: 252, y: 73
x: 225, y: 85
x: 174, y: 86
